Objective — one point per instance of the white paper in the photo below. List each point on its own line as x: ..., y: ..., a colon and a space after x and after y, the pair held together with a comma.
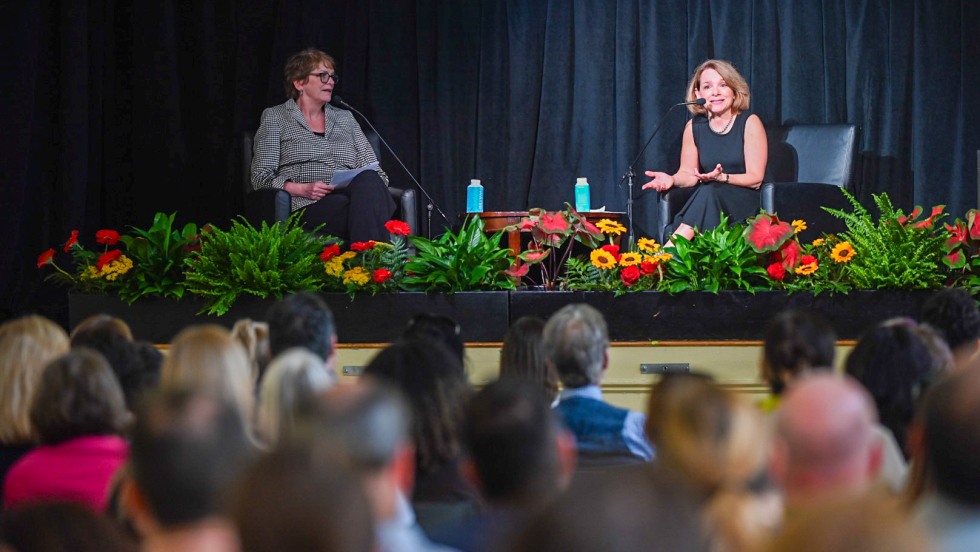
x: 341, y: 179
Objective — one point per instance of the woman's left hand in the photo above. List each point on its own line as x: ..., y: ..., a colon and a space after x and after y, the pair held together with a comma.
x: 713, y: 175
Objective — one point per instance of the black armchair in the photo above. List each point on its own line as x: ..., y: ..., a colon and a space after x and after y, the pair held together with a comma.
x: 274, y: 205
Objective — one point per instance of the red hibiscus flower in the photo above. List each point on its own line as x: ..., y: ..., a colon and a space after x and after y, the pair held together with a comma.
x: 361, y: 246
x: 398, y: 227
x: 808, y: 259
x: 329, y: 252
x: 381, y: 275
x: 72, y: 240
x: 107, y: 237
x: 767, y: 233
x: 612, y: 250
x: 630, y: 275
x: 647, y: 267
x: 45, y: 258
x: 107, y: 258
x: 789, y: 254
x: 776, y: 271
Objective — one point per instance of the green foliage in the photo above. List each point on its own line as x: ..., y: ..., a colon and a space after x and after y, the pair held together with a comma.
x: 582, y: 275
x: 467, y: 261
x: 270, y: 261
x: 158, y: 255
x: 379, y: 268
x: 897, y: 252
x: 719, y: 259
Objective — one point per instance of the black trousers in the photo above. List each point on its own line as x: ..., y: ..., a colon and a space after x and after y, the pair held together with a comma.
x: 356, y: 213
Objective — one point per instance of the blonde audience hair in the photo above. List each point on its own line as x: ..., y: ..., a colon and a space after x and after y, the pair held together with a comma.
x: 254, y: 336
x: 26, y: 346
x: 293, y: 377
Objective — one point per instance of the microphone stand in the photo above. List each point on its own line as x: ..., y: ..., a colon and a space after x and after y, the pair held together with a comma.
x: 631, y: 174
x: 431, y: 204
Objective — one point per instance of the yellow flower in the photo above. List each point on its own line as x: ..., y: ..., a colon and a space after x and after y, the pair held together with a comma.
x: 662, y: 258
x: 806, y: 269
x: 602, y: 259
x: 117, y: 268
x: 357, y: 275
x: 648, y: 245
x: 346, y: 255
x: 630, y: 259
x: 798, y: 226
x: 608, y: 226
x: 817, y: 242
x: 334, y: 267
x: 842, y: 253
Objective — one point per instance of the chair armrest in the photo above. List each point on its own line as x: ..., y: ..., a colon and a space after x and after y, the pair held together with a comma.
x: 269, y: 205
x: 668, y: 204
x: 805, y: 201
x: 407, y: 206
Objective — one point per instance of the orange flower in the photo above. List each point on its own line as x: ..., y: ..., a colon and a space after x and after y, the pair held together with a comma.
x: 603, y: 260
x: 843, y: 252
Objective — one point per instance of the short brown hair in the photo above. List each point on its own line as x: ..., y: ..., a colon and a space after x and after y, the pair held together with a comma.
x: 733, y: 79
x: 300, y: 65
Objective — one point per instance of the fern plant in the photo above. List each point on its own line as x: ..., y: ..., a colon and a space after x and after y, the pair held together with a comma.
x: 897, y: 251
x: 158, y: 255
x: 719, y: 259
x: 269, y: 261
x: 464, y: 261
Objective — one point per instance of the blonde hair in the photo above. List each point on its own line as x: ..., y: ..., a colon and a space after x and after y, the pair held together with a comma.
x: 295, y: 376
x: 26, y: 346
x: 733, y: 79
x: 254, y: 337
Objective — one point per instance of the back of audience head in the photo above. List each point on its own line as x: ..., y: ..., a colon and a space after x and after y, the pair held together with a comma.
x: 795, y: 342
x: 100, y: 324
x: 952, y: 437
x: 433, y: 381
x: 896, y: 361
x: 437, y: 327
x: 26, y: 346
x: 523, y: 355
x: 293, y: 378
x: 953, y: 313
x: 826, y: 444
x: 60, y: 526
x: 302, y: 320
x: 519, y: 452
x: 136, y: 364
x: 289, y: 500
x: 254, y: 337
x: 78, y: 396
x: 576, y: 340
x: 186, y: 448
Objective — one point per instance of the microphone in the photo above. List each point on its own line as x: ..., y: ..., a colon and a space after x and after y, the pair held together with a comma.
x: 337, y: 101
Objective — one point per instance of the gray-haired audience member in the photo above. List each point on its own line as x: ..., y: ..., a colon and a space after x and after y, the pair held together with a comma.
x: 952, y: 443
x: 302, y: 320
x: 577, y: 343
x: 826, y: 444
x: 367, y: 424
x: 186, y: 450
x: 293, y: 378
x: 953, y: 313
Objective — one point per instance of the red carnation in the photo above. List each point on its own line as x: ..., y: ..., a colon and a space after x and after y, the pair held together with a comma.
x: 107, y: 237
x: 72, y: 240
x: 329, y: 252
x: 361, y: 246
x: 630, y: 275
x: 612, y: 250
x: 107, y: 258
x: 647, y: 267
x: 398, y: 227
x: 776, y: 271
x: 381, y: 275
x: 45, y: 258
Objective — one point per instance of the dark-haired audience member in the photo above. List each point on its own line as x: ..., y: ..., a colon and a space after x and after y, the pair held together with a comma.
x: 187, y: 448
x: 953, y: 313
x: 826, y: 445
x: 136, y: 365
x: 288, y: 501
x: 79, y: 413
x: 523, y: 356
x: 795, y: 342
x: 520, y: 457
x: 302, y: 320
x: 102, y: 323
x: 59, y: 527
x: 26, y: 346
x: 440, y: 328
x: 577, y: 341
x: 951, y: 510
x: 432, y: 379
x: 367, y: 424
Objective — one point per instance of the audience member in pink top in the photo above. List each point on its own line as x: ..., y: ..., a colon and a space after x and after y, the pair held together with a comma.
x: 78, y: 411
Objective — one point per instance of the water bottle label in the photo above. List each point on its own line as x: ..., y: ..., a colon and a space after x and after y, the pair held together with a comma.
x: 583, y: 201
x: 474, y: 199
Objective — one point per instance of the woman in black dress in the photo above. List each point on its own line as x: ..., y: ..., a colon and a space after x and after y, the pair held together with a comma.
x: 723, y: 154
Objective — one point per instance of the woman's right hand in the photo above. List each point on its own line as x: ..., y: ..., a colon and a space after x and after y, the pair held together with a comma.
x: 310, y: 190
x: 661, y: 181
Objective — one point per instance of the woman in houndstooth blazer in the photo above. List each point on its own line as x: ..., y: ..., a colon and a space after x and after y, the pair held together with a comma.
x: 300, y: 144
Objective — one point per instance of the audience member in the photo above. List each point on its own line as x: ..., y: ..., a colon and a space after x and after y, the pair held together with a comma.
x: 433, y: 381
x: 101, y: 323
x: 368, y: 425
x: 79, y: 413
x: 523, y: 356
x: 826, y: 445
x: 302, y: 320
x: 951, y: 510
x: 286, y: 501
x: 26, y: 346
x: 60, y: 527
x: 520, y: 458
x: 577, y: 342
x: 953, y: 313
x: 440, y: 328
x: 187, y: 448
x: 136, y: 365
x: 293, y: 378
x: 795, y: 342
x: 254, y: 337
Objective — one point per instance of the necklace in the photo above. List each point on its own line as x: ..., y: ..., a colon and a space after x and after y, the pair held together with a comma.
x: 727, y: 126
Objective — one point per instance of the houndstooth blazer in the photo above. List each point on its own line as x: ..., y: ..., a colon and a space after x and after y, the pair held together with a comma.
x: 286, y: 149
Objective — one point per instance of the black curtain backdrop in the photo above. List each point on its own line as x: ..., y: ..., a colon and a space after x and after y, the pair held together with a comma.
x: 114, y: 110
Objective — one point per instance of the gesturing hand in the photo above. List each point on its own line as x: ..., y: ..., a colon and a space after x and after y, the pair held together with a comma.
x: 713, y: 175
x: 661, y: 181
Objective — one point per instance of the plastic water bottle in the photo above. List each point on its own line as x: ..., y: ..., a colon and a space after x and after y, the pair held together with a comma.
x: 474, y: 197
x: 583, y: 198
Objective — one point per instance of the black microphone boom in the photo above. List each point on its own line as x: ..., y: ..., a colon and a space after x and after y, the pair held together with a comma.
x: 337, y: 100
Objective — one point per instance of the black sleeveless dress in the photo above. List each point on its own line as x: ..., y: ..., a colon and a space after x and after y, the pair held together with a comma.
x: 710, y: 199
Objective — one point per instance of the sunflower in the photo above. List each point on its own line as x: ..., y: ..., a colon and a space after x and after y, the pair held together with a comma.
x: 608, y: 226
x: 603, y: 260
x: 648, y: 245
x: 806, y: 269
x: 798, y: 226
x: 817, y: 242
x: 630, y: 259
x: 842, y: 253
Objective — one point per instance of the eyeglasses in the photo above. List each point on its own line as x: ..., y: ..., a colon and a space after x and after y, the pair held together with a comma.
x: 325, y: 76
